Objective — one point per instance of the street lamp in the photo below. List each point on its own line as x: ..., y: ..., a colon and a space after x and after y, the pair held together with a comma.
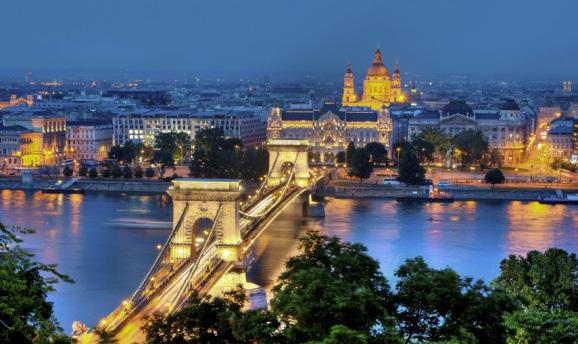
x: 398, y: 149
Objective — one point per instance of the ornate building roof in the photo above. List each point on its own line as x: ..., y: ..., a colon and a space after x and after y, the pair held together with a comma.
x: 348, y: 115
x: 457, y: 107
x: 377, y: 67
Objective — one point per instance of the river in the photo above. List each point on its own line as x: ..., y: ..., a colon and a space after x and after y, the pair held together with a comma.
x: 106, y: 242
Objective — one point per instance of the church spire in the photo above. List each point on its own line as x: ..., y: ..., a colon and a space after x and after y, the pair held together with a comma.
x: 348, y: 87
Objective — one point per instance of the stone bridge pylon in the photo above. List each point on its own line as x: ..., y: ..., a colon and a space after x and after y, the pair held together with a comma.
x: 286, y: 156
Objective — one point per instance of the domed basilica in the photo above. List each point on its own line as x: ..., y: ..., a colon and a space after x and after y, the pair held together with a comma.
x: 378, y: 88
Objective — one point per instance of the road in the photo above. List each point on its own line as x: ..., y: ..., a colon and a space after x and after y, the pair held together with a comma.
x: 130, y: 332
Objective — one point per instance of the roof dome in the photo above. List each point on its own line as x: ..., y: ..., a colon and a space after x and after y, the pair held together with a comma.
x: 377, y: 67
x: 457, y: 107
x: 509, y: 105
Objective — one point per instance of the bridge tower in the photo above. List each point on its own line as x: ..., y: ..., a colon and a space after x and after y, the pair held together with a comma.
x: 285, y: 156
x: 200, y: 205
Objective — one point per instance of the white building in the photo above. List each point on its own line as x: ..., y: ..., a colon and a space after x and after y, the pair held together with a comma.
x: 145, y: 126
x: 88, y: 140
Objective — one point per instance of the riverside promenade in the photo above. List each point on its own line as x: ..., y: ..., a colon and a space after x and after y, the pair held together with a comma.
x: 372, y: 189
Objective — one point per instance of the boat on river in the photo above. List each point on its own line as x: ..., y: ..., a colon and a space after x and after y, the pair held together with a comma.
x: 559, y: 198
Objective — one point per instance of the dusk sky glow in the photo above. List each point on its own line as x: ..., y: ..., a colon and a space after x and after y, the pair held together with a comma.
x: 442, y: 36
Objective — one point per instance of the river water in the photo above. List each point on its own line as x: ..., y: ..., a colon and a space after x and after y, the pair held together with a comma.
x: 106, y: 242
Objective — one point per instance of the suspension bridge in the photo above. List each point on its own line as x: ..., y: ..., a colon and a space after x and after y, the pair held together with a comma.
x: 209, y: 247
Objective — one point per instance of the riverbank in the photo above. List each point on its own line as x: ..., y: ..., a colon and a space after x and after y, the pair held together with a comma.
x: 141, y: 186
x: 153, y: 186
x: 354, y: 189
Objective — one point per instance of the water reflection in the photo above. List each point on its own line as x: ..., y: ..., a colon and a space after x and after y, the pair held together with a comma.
x: 535, y: 226
x: 85, y: 236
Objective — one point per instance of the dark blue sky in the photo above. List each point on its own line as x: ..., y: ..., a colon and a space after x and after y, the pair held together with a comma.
x: 427, y: 36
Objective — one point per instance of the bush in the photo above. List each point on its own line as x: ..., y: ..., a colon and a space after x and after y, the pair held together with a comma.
x: 67, y: 172
x: 93, y: 173
x: 83, y: 171
x: 138, y: 172
x: 494, y: 176
x: 127, y: 172
x: 106, y: 173
x: 116, y: 172
x: 149, y: 172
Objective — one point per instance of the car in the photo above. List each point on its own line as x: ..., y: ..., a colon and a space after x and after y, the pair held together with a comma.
x: 444, y: 183
x: 391, y: 182
x: 426, y: 182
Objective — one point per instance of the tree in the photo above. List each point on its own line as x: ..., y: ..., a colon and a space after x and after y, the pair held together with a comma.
x: 360, y: 165
x: 149, y: 172
x: 214, y: 320
x: 423, y: 148
x: 254, y: 163
x: 470, y: 145
x: 138, y: 172
x: 558, y: 163
x: 377, y: 153
x: 92, y: 173
x: 436, y: 137
x: 175, y: 145
x: 494, y: 177
x: 545, y: 289
x: 340, y: 334
x: 106, y: 173
x: 410, y: 170
x: 340, y: 157
x: 67, y: 172
x: 127, y: 172
x: 116, y: 171
x: 218, y: 157
x: 439, y: 305
x: 349, y: 152
x: 83, y: 171
x: 329, y: 283
x: 163, y: 159
x: 26, y: 316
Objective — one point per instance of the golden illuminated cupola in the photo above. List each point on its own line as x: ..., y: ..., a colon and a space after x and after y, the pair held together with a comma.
x: 377, y: 85
x: 349, y: 97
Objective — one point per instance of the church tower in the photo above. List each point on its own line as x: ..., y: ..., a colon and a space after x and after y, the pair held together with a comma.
x: 349, y: 97
x: 396, y: 93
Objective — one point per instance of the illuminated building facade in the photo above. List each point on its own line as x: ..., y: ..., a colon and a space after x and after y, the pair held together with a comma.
x: 505, y: 129
x: 560, y: 137
x: 45, y: 141
x: 379, y: 89
x: 330, y: 128
x: 88, y: 140
x: 15, y: 101
x: 144, y: 127
x: 10, y: 145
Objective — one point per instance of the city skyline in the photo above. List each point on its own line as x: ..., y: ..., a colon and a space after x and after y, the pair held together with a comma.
x: 528, y: 38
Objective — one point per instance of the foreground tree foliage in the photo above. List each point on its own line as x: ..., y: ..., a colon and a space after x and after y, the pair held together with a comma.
x: 213, y: 320
x: 333, y: 292
x: 440, y: 305
x: 545, y: 288
x: 330, y: 283
x: 25, y: 314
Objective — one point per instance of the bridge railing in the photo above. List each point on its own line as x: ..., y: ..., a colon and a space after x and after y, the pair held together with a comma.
x: 160, y: 257
x: 207, y: 253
